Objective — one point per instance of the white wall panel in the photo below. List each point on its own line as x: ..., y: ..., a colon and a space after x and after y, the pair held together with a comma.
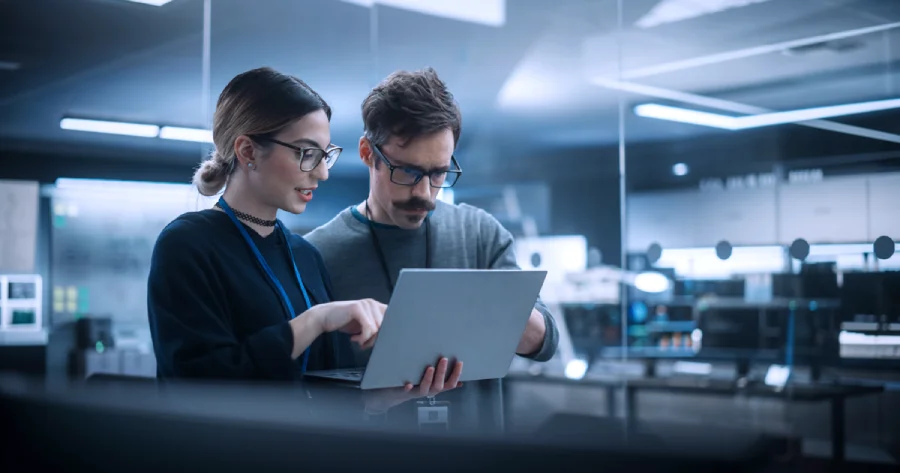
x: 831, y: 211
x: 668, y: 218
x: 742, y: 217
x: 884, y: 206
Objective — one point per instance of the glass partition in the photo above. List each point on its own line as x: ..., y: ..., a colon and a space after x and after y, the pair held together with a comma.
x: 756, y: 138
x: 539, y: 141
x: 128, y: 93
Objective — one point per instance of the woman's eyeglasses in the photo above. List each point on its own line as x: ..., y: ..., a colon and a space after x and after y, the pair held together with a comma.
x: 308, y: 157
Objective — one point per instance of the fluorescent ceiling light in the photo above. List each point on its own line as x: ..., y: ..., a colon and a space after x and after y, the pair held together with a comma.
x: 486, y: 12
x: 675, y: 114
x: 186, y: 134
x: 155, y: 3
x: 115, y: 128
x: 715, y: 120
x: 719, y: 58
x: 671, y: 11
x: 137, y: 129
x: 736, y: 107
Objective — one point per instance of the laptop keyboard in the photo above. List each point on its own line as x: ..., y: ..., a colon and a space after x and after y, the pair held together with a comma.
x: 350, y: 374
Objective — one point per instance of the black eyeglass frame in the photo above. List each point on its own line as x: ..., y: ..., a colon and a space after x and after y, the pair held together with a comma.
x: 303, y: 149
x: 421, y: 174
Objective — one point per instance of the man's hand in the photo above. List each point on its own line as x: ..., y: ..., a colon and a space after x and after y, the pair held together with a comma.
x: 432, y: 383
x: 533, y: 338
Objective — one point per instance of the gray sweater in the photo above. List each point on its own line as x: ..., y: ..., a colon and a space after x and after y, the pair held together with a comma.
x: 462, y: 237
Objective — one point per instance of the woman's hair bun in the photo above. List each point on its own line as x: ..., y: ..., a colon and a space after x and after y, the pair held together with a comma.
x: 212, y: 175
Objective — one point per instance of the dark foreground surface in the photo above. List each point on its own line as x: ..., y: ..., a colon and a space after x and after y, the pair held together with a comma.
x: 137, y: 427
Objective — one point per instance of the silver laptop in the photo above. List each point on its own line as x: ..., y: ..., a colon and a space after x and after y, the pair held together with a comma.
x: 476, y: 316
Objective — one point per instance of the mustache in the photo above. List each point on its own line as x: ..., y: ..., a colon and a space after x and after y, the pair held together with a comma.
x: 415, y: 203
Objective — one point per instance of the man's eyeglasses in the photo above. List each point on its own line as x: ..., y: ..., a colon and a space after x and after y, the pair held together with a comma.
x: 409, y: 176
x: 308, y: 157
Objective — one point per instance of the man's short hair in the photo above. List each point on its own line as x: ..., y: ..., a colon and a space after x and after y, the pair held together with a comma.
x: 408, y: 105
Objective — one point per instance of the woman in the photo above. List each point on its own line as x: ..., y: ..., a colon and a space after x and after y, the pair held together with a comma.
x: 231, y: 293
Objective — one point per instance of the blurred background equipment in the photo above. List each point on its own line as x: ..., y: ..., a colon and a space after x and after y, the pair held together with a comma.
x: 711, y: 185
x: 21, y: 298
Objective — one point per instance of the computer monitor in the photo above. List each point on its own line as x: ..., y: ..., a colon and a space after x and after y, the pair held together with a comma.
x: 705, y: 287
x: 595, y: 329
x: 869, y: 334
x: 731, y: 332
x: 872, y: 298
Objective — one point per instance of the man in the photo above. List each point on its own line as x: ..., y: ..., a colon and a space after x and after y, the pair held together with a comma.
x: 412, y: 126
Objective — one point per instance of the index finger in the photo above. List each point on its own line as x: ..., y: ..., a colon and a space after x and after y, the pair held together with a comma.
x: 378, y: 314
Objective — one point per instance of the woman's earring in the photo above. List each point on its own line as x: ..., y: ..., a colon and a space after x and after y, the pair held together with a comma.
x: 250, y: 165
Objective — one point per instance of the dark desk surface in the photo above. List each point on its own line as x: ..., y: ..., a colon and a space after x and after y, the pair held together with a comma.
x: 794, y: 392
x: 136, y: 427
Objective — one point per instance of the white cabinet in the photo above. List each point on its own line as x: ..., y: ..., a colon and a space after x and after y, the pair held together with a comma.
x: 855, y: 209
x: 667, y: 218
x: 884, y: 206
x: 742, y: 217
x: 693, y: 219
x: 831, y: 211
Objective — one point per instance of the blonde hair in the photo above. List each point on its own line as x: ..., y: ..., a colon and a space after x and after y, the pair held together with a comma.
x: 257, y: 102
x: 211, y: 176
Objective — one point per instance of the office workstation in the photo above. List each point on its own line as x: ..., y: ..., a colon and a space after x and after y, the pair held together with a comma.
x: 646, y: 235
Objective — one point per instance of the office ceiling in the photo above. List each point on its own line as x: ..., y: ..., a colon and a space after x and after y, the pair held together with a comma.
x: 550, y: 79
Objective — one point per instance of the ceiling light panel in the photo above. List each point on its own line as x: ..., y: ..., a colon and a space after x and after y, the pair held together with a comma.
x: 715, y: 120
x: 186, y: 134
x: 114, y: 128
x: 155, y: 3
x: 671, y: 11
x: 485, y: 12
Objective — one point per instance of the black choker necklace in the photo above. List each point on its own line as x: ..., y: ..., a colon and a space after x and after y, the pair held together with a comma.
x: 250, y: 218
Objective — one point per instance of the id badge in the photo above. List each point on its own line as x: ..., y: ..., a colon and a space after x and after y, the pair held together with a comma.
x: 433, y: 415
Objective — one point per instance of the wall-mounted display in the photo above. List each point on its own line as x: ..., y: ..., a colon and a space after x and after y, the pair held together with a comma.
x: 20, y: 302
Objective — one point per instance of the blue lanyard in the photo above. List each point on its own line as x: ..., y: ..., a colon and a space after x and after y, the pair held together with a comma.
x: 265, y: 266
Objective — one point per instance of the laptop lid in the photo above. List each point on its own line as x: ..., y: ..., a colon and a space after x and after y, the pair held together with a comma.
x: 473, y: 315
